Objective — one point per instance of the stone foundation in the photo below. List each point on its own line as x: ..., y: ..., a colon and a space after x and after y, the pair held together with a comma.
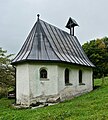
x: 63, y: 95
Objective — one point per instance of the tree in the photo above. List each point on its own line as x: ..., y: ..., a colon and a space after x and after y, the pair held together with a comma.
x: 7, y: 72
x: 97, y: 52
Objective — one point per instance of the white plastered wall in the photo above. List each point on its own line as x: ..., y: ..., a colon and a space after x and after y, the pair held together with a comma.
x: 75, y: 88
x: 29, y: 85
x: 22, y: 84
x: 40, y: 86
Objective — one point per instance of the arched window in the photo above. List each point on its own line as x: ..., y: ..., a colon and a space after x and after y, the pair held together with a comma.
x: 66, y: 75
x: 80, y: 76
x: 43, y: 73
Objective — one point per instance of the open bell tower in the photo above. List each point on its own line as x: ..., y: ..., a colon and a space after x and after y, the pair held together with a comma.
x: 70, y: 25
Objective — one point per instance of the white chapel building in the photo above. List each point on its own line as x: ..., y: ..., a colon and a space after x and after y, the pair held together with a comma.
x: 50, y: 64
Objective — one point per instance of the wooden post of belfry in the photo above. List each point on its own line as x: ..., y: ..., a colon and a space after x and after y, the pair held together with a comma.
x: 73, y: 31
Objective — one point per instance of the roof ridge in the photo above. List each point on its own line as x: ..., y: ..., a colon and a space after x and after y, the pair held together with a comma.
x: 55, y: 26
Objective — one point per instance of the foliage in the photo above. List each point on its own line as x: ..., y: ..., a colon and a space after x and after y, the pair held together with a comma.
x: 3, y: 90
x: 97, y: 52
x: 4, y: 59
x: 7, y: 72
x: 90, y: 106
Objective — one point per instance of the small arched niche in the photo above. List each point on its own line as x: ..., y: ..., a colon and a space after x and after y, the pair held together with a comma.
x: 43, y: 73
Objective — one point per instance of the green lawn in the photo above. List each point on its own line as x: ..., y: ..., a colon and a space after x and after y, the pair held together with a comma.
x: 90, y: 106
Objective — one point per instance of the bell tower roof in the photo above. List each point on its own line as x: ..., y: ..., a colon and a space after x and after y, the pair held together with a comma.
x: 71, y: 23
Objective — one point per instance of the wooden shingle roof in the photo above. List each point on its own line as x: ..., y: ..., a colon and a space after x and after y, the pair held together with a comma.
x: 46, y: 42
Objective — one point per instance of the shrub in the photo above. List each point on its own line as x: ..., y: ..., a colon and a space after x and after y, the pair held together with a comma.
x: 3, y: 90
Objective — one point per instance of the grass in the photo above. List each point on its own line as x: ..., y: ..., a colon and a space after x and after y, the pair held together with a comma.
x: 90, y: 106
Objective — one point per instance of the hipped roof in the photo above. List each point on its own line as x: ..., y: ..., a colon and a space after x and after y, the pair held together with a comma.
x: 46, y: 42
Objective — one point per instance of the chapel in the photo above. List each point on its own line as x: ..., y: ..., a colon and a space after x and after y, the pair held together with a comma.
x: 51, y: 65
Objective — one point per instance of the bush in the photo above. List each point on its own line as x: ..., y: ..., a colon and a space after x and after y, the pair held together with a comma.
x: 3, y: 90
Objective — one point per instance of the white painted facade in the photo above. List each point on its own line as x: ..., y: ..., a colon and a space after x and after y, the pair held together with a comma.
x: 29, y: 85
